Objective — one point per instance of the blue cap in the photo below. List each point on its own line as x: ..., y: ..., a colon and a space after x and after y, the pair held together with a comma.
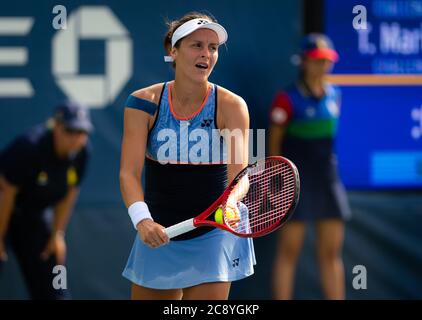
x: 73, y: 116
x: 319, y: 46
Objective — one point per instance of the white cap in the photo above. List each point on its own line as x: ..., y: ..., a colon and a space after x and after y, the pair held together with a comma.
x: 192, y: 25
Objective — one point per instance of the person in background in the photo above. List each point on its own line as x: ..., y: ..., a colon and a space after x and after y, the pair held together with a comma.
x: 40, y: 174
x: 303, y: 123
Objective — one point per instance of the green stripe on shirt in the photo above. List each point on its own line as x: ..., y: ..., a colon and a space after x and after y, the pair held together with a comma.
x: 312, y: 129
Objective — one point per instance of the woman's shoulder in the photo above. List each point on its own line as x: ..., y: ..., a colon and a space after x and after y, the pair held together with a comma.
x: 151, y: 93
x: 230, y: 99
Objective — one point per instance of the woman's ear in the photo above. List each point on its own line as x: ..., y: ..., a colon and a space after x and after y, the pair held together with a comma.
x: 173, y: 53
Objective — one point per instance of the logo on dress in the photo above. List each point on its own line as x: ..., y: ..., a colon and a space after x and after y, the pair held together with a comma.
x: 42, y: 179
x: 206, y: 123
x: 235, y: 262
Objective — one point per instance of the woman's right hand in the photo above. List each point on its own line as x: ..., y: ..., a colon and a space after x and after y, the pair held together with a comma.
x: 3, y: 254
x: 152, y: 233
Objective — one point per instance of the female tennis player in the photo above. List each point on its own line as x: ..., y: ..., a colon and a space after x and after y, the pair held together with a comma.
x: 173, y: 129
x: 303, y: 129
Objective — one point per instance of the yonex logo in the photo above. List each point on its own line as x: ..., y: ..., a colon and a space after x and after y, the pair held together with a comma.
x: 202, y: 22
x: 206, y: 123
x: 235, y: 262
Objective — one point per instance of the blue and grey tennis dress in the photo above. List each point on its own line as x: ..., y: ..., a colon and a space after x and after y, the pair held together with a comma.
x: 185, y: 172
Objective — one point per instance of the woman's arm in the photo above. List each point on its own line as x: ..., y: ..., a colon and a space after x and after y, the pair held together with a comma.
x: 133, y: 154
x: 235, y: 124
x: 135, y: 135
x: 281, y: 113
x: 236, y: 133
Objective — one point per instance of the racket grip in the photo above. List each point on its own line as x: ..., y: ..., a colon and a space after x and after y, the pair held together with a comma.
x: 180, y: 228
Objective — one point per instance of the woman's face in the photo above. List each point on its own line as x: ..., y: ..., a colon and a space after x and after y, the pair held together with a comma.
x: 317, y: 67
x: 197, y: 55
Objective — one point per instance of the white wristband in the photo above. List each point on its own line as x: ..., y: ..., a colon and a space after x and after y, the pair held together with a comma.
x: 138, y: 211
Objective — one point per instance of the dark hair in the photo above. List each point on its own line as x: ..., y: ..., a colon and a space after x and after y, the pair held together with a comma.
x: 173, y: 25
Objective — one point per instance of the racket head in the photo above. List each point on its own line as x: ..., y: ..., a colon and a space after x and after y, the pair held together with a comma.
x: 260, y: 199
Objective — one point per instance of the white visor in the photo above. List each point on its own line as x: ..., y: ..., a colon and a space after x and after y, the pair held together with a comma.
x: 192, y: 25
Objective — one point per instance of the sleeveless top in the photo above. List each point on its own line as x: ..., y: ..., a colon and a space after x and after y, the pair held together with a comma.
x: 185, y: 165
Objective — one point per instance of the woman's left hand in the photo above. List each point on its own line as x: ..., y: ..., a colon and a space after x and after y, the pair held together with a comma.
x: 55, y: 245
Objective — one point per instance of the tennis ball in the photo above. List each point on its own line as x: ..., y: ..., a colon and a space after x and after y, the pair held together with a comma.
x: 231, y: 214
x: 218, y: 216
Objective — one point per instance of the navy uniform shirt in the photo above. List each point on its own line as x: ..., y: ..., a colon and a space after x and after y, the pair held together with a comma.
x: 31, y: 164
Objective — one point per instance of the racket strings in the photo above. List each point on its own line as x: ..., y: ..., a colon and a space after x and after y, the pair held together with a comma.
x: 285, y: 199
x: 265, y: 217
x: 267, y: 191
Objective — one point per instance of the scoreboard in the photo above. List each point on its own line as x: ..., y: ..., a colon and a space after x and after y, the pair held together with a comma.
x: 379, y: 141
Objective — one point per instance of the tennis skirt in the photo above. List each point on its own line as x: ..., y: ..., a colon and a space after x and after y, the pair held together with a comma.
x: 217, y: 256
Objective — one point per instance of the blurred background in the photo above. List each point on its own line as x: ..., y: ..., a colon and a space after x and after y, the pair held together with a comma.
x: 111, y: 48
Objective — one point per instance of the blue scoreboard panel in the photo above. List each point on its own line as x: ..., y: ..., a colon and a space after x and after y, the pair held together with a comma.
x: 379, y: 141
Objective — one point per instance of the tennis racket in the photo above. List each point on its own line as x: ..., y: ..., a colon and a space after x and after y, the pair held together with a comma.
x: 260, y: 199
